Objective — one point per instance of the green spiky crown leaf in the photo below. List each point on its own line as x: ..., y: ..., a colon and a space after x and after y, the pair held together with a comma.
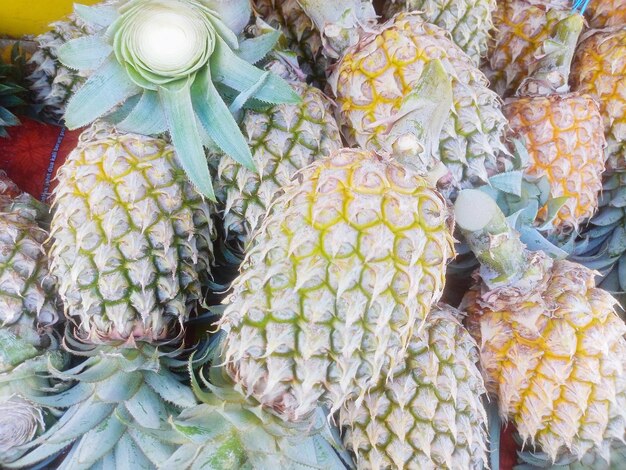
x: 11, y: 93
x: 170, y: 64
x: 229, y: 431
x: 117, y: 409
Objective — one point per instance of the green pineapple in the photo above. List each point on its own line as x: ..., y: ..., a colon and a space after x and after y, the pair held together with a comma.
x: 430, y: 415
x: 52, y: 83
x: 132, y: 242
x: 28, y: 312
x: 343, y: 270
x: 283, y: 139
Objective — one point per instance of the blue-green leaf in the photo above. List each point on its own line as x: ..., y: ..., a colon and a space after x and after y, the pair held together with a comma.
x: 99, y: 15
x: 236, y: 73
x: 106, y: 88
x: 239, y: 102
x: 147, y: 408
x: 168, y: 388
x: 146, y: 117
x: 78, y: 393
x: 119, y: 387
x: 255, y: 49
x: 156, y: 450
x: 84, y: 53
x: 96, y: 443
x: 509, y: 182
x: 183, y: 127
x: 218, y: 121
x: 37, y: 455
x: 128, y: 456
x: 87, y: 416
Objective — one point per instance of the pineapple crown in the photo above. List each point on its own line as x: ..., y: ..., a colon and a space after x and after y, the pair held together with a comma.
x: 116, y: 393
x: 602, y: 245
x: 228, y: 426
x: 172, y: 65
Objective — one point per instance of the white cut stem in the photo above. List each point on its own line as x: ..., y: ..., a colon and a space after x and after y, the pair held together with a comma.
x: 496, y: 245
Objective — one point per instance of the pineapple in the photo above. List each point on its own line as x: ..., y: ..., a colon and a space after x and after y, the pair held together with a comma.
x: 563, y: 132
x: 52, y: 83
x: 607, y: 13
x: 132, y: 241
x: 343, y: 270
x: 302, y: 37
x: 248, y: 437
x: 28, y: 311
x: 283, y: 139
x: 377, y: 82
x: 469, y: 22
x: 599, y: 69
x: 430, y: 416
x: 26, y: 286
x: 552, y: 347
x: 521, y: 28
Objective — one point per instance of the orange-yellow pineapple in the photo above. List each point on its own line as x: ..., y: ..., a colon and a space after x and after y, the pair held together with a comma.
x: 606, y: 13
x: 552, y: 347
x: 520, y: 29
x: 599, y: 69
x: 563, y: 131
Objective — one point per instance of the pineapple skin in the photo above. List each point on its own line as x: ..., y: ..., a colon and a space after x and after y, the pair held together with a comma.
x: 283, y: 140
x: 373, y: 79
x: 564, y: 136
x: 302, y: 36
x: 344, y: 268
x: 132, y: 238
x: 430, y: 416
x: 52, y: 83
x: 27, y: 290
x: 554, y: 357
x: 469, y: 22
x: 28, y: 310
x: 599, y: 69
x: 607, y: 13
x: 520, y: 29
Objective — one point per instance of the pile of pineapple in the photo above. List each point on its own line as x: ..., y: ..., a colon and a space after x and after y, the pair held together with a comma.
x: 320, y: 234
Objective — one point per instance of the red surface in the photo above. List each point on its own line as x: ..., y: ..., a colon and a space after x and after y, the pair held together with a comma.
x: 508, y: 448
x: 33, y: 152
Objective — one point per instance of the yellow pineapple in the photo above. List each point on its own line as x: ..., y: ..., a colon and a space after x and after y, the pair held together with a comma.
x: 599, y: 69
x: 377, y: 81
x: 552, y: 346
x: 520, y: 29
x: 563, y: 131
x: 606, y: 13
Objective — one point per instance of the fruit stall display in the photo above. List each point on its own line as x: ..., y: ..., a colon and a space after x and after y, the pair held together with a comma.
x: 313, y: 234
